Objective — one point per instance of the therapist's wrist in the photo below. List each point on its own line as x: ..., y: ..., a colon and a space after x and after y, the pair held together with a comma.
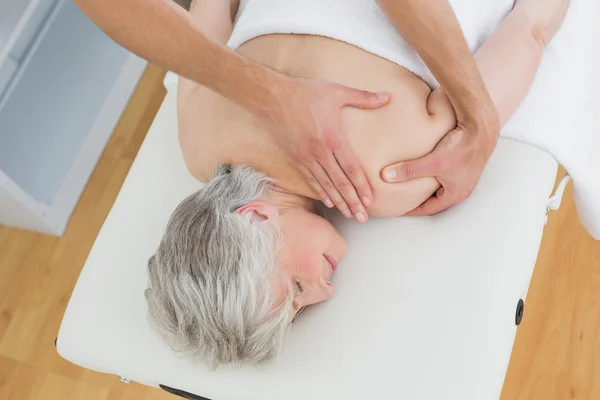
x: 479, y: 117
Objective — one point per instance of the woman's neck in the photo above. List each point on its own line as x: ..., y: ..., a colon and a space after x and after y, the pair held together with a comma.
x: 270, y: 160
x: 284, y: 198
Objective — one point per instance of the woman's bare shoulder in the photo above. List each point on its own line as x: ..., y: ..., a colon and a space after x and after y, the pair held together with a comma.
x: 394, y: 200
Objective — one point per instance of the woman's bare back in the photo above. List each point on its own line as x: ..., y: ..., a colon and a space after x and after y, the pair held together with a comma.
x: 212, y: 129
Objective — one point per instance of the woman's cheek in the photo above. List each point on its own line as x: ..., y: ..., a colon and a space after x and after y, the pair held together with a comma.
x: 307, y: 263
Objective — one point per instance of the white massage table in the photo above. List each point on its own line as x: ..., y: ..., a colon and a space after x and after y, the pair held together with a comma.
x: 425, y: 308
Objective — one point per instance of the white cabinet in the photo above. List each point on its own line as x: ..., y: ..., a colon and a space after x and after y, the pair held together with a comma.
x: 63, y: 86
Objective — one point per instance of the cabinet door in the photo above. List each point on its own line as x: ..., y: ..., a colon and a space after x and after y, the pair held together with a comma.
x: 60, y: 108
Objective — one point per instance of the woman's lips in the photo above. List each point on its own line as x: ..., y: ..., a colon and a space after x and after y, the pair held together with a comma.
x: 331, y: 261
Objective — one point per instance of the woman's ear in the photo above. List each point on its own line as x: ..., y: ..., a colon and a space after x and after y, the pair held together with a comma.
x: 259, y: 210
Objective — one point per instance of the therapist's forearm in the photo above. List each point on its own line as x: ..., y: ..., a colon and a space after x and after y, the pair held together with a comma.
x: 431, y: 27
x: 163, y: 33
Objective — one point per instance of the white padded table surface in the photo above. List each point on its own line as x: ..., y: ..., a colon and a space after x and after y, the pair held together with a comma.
x: 424, y: 307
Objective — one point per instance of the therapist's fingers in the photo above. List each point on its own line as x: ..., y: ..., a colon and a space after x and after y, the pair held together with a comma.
x: 363, y: 98
x: 442, y: 200
x: 346, y: 158
x: 345, y: 187
x: 318, y: 179
x: 429, y: 165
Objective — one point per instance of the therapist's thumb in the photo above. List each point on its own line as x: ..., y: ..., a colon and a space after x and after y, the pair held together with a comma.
x: 407, y: 170
x: 365, y: 99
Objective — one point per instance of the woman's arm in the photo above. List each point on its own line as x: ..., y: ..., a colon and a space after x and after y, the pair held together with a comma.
x: 509, y: 59
x: 508, y: 62
x: 214, y: 18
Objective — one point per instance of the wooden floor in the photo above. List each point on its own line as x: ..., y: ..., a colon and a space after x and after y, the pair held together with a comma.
x: 38, y: 273
x: 556, y: 354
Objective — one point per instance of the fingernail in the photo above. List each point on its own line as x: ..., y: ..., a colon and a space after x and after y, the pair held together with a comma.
x: 389, y: 174
x: 382, y: 95
x: 366, y: 200
x: 347, y: 214
x: 360, y: 217
x: 328, y: 203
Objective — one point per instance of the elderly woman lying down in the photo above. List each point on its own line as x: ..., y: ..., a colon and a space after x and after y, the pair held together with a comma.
x: 244, y: 254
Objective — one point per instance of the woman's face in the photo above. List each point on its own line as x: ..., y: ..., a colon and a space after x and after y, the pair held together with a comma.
x: 310, y: 253
x: 311, y: 250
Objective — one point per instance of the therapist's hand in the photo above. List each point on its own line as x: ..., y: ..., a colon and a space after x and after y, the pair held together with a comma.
x: 457, y: 162
x: 305, y: 120
x: 432, y: 28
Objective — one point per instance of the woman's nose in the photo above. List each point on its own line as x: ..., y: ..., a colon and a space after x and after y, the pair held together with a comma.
x: 326, y: 287
x: 318, y: 292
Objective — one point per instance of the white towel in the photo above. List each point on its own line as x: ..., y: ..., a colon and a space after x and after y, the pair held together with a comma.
x: 561, y: 113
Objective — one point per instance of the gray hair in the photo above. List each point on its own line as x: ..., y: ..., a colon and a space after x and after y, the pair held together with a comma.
x: 210, y: 294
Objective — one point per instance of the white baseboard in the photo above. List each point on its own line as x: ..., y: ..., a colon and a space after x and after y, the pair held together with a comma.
x: 18, y: 209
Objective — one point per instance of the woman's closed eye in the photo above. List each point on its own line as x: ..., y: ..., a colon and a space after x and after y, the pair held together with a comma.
x: 300, y: 289
x: 299, y: 286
